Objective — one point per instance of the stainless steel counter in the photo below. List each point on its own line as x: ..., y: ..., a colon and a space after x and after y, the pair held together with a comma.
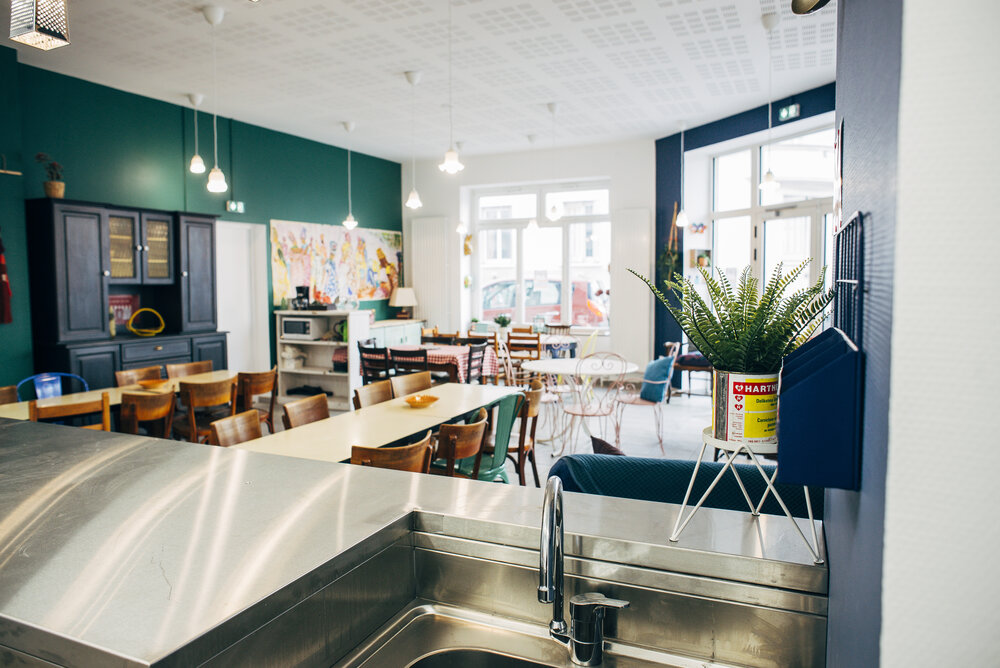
x: 129, y: 547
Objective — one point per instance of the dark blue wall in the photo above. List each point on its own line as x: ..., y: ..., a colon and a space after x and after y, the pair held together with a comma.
x: 668, y: 173
x: 868, y: 59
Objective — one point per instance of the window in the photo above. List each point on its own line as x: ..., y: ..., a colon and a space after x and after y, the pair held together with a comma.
x: 533, y: 269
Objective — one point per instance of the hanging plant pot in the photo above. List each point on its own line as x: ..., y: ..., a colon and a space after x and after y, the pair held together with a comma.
x: 745, y: 407
x: 54, y: 189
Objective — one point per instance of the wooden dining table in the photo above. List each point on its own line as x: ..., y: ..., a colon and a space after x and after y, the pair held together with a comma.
x: 19, y: 410
x: 331, y: 439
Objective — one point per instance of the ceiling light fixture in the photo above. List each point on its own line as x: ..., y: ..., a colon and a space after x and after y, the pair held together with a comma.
x: 769, y: 182
x: 554, y: 212
x: 808, y: 6
x: 42, y: 24
x: 349, y: 222
x: 451, y: 164
x: 197, y: 165
x: 216, y: 179
x: 413, y: 201
x: 681, y: 220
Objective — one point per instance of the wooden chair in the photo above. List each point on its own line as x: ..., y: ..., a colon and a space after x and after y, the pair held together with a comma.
x: 474, y: 369
x: 38, y: 413
x: 304, y: 411
x: 373, y: 393
x: 525, y: 451
x: 494, y: 339
x: 375, y: 364
x: 441, y: 339
x: 251, y: 384
x: 428, y: 331
x: 558, y: 330
x: 188, y: 369
x: 410, y: 383
x: 460, y: 441
x: 203, y: 395
x: 415, y: 457
x: 522, y: 330
x: 524, y: 346
x: 235, y: 429
x: 133, y: 376
x: 449, y: 335
x: 139, y: 408
x: 8, y: 394
x: 407, y: 361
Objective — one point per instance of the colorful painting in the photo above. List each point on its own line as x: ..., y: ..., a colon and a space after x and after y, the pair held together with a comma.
x: 336, y: 263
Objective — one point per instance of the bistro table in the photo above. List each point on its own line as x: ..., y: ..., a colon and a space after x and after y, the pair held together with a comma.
x: 19, y: 410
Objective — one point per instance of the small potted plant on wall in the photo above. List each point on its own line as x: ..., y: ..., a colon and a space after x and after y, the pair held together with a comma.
x: 55, y: 187
x: 745, y: 334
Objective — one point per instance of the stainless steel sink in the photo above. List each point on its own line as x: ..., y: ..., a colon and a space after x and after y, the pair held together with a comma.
x: 433, y: 635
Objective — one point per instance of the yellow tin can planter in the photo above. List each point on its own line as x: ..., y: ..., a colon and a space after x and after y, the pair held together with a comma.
x: 145, y: 331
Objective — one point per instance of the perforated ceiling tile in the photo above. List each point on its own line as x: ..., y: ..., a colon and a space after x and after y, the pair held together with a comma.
x: 390, y: 10
x: 590, y: 10
x: 636, y: 58
x: 509, y: 19
x: 620, y: 34
x: 568, y: 67
x: 543, y: 46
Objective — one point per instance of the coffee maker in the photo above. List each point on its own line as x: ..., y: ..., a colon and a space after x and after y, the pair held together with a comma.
x: 301, y: 301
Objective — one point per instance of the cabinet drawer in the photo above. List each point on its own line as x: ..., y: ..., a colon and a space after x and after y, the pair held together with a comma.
x: 156, y: 350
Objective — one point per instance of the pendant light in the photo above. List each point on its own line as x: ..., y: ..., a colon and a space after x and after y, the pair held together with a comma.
x: 769, y: 183
x: 413, y: 201
x: 42, y: 24
x: 216, y: 179
x: 197, y: 165
x: 451, y: 164
x: 554, y: 212
x: 681, y: 220
x: 349, y: 222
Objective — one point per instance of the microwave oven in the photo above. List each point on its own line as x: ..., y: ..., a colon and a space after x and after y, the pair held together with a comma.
x: 303, y: 329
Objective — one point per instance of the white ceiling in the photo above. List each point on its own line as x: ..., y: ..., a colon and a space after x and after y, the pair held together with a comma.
x: 620, y: 69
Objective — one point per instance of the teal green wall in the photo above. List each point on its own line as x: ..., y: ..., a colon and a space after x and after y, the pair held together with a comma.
x: 130, y: 150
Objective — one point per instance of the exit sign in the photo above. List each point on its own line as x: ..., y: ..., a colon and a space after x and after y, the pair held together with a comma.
x: 789, y: 112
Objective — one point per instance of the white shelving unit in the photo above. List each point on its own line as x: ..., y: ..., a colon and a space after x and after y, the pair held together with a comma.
x: 318, y: 368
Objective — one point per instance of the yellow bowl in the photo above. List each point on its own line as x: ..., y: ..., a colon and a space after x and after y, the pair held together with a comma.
x: 420, y: 400
x: 153, y: 384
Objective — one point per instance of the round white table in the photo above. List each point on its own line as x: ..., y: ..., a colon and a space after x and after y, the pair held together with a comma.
x: 579, y: 367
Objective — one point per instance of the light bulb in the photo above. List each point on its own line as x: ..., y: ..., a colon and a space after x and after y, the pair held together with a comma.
x: 217, y: 181
x: 197, y: 164
x: 349, y: 222
x: 413, y: 201
x: 554, y: 213
x: 461, y: 228
x: 682, y: 219
x: 451, y: 165
x: 769, y: 183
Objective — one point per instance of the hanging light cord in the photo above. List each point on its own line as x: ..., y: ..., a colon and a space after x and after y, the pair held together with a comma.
x: 215, y: 107
x: 451, y: 117
x: 682, y: 169
x: 349, y: 208
x: 413, y: 136
x: 770, y: 92
x: 196, y: 130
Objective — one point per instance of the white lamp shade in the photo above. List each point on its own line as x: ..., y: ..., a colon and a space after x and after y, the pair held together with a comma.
x: 413, y: 201
x: 349, y: 222
x: 217, y: 181
x: 403, y: 297
x: 554, y: 213
x: 682, y: 219
x: 451, y: 164
x: 197, y: 164
x: 770, y: 182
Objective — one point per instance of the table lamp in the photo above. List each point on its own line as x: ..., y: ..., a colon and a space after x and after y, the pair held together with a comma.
x: 403, y: 299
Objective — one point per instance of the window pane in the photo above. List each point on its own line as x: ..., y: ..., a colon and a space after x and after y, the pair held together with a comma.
x: 497, y: 271
x: 579, y: 202
x: 786, y: 240
x: 803, y: 166
x: 501, y: 207
x: 590, y: 277
x: 732, y: 181
x: 732, y: 246
x: 543, y: 273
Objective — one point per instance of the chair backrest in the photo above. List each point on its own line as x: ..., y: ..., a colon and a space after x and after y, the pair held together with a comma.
x: 235, y: 429
x: 408, y: 360
x: 304, y: 411
x: 428, y: 331
x: 415, y: 457
x: 448, y: 335
x: 133, y: 376
x: 200, y: 395
x: 490, y: 337
x: 410, y: 383
x: 529, y: 418
x: 507, y: 411
x: 522, y: 330
x: 671, y: 348
x: 136, y: 408
x: 561, y: 330
x: 461, y: 441
x: 188, y: 368
x: 602, y: 367
x: 50, y: 384
x: 440, y: 339
x: 374, y: 363
x: 37, y: 413
x: 373, y: 393
x: 524, y: 345
x: 474, y: 370
x: 8, y: 394
x: 249, y: 384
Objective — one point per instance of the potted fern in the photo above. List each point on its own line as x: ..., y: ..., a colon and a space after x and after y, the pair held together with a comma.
x: 745, y: 334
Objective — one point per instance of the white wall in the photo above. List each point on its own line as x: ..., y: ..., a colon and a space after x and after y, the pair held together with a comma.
x: 631, y: 168
x: 940, y: 582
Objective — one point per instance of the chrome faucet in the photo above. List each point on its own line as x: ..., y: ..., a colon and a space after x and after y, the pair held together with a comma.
x: 586, y: 636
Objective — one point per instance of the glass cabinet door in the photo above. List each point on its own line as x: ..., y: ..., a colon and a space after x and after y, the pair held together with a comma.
x: 124, y: 246
x: 157, y: 258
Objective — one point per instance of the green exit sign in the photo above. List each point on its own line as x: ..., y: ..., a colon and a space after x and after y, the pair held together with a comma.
x: 789, y: 112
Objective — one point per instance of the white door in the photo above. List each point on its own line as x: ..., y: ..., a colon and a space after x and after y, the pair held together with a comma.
x: 241, y: 288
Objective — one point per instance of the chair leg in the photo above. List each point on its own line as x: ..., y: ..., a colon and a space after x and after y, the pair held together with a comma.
x: 534, y: 468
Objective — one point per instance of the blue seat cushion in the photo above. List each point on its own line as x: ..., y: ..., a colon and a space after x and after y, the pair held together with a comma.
x: 658, y: 370
x: 693, y: 359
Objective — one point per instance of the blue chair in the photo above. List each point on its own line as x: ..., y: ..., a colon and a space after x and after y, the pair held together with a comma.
x: 491, y: 467
x: 50, y: 384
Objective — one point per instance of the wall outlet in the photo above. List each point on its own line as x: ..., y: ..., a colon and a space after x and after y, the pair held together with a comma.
x: 234, y: 206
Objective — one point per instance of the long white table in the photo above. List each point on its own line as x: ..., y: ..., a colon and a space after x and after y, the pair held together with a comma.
x: 330, y: 440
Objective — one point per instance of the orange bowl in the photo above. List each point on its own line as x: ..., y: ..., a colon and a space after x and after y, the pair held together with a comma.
x: 420, y: 400
x: 153, y: 384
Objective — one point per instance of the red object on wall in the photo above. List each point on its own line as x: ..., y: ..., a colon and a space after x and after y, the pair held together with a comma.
x: 5, y: 291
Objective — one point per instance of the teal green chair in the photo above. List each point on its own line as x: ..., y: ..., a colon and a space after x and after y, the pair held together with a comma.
x: 491, y: 468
